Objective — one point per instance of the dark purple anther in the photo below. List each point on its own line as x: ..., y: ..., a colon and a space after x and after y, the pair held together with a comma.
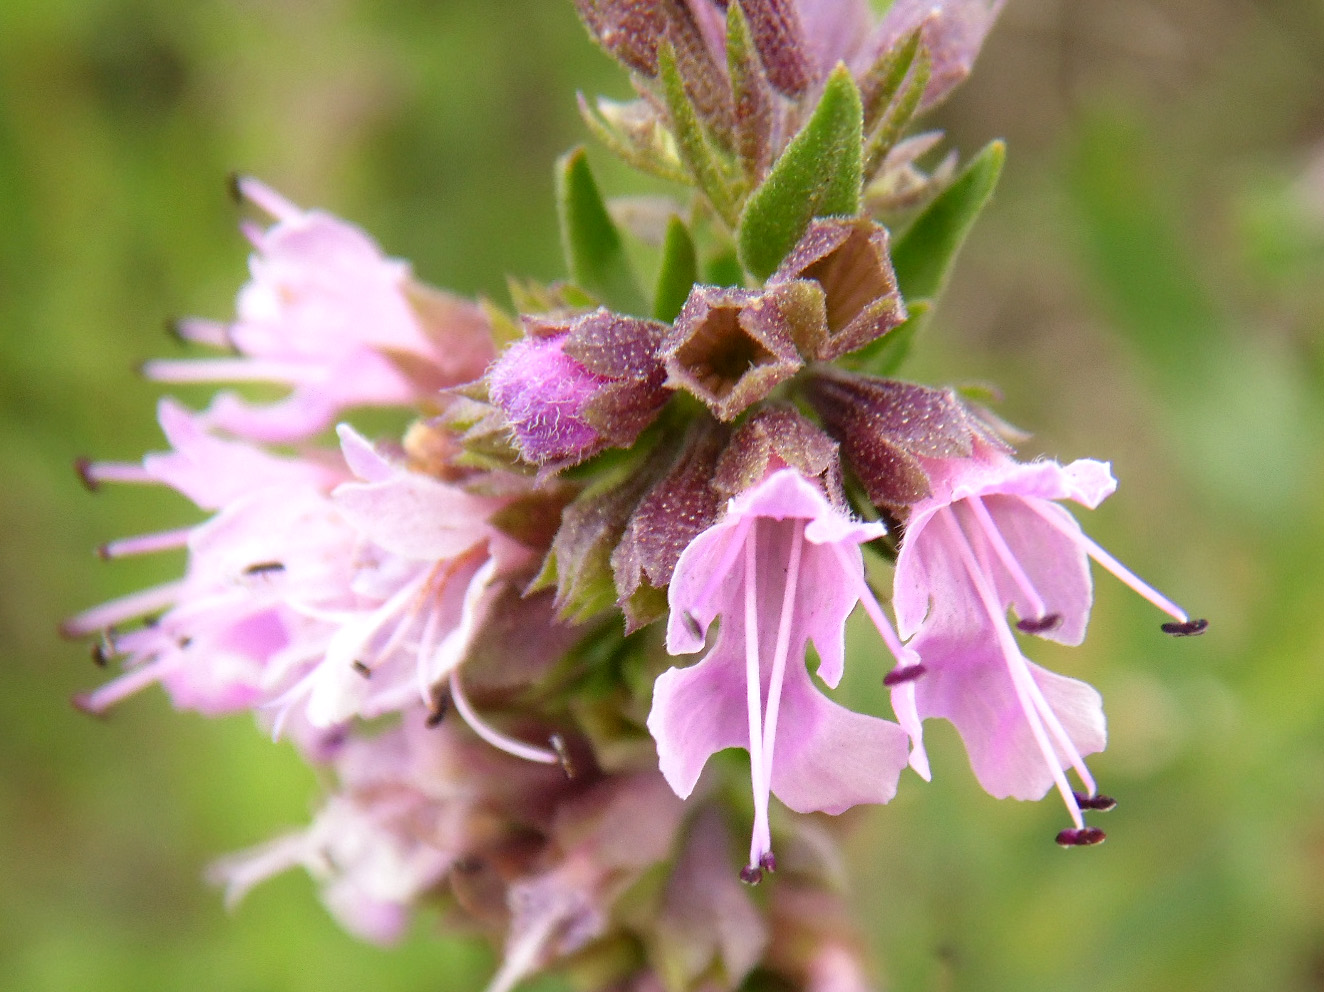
x: 751, y: 874
x: 1099, y: 803
x: 768, y: 863
x: 1188, y: 629
x: 83, y: 466
x: 264, y: 568
x: 906, y: 673
x: 1080, y: 837
x: 361, y: 668
x: 99, y: 655
x: 1049, y: 622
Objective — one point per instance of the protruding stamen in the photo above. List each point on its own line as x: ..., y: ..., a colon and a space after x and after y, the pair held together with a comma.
x: 264, y: 198
x: 83, y: 703
x: 1009, y: 560
x: 903, y: 696
x: 768, y: 863
x: 1128, y: 577
x: 1191, y: 628
x: 204, y: 370
x: 780, y: 651
x: 751, y: 874
x: 1040, y: 625
x: 1022, y: 682
x: 234, y: 187
x: 760, y: 839
x: 562, y: 754
x: 1080, y: 837
x: 903, y: 674
x: 194, y: 330
x: 118, y: 610
x: 494, y: 737
x: 145, y: 544
x: 94, y: 473
x: 361, y: 668
x: 1099, y: 802
x: 104, y: 649
x: 83, y: 466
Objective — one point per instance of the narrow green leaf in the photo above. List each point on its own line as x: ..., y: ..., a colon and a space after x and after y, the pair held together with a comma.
x: 882, y: 82
x: 696, y: 151
x: 751, y: 96
x: 817, y: 175
x: 679, y: 271
x: 594, y: 252
x: 899, y: 111
x: 651, y: 157
x: 923, y: 256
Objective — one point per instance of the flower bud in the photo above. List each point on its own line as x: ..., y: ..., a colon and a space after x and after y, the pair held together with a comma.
x: 572, y: 388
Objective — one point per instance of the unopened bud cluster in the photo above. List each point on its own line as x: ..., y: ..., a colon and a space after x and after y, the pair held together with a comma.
x: 514, y: 636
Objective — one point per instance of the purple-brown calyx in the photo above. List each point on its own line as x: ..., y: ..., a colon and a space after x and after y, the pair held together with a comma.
x: 1190, y: 628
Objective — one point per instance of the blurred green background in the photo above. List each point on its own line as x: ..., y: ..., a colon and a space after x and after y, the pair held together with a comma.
x: 1147, y: 286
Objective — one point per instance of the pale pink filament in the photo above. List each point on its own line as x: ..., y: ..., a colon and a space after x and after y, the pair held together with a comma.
x: 143, y: 544
x: 761, y: 841
x: 1005, y: 555
x: 780, y: 651
x: 1129, y: 578
x: 1032, y: 702
x: 903, y: 695
x: 490, y: 734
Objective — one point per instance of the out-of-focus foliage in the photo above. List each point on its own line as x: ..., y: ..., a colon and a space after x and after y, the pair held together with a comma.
x: 1147, y: 285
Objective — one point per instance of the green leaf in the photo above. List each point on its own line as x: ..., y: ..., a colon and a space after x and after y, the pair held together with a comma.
x: 881, y: 83
x: 896, y: 117
x: 594, y: 252
x: 923, y: 256
x: 817, y: 175
x: 696, y: 151
x: 679, y: 272
x: 751, y: 97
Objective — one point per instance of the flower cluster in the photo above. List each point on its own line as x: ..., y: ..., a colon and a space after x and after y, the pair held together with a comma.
x: 471, y: 626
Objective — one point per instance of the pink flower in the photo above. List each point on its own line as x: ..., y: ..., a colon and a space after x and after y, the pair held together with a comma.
x: 321, y: 606
x: 411, y: 801
x: 224, y: 623
x: 782, y: 568
x: 990, y: 538
x: 335, y: 320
